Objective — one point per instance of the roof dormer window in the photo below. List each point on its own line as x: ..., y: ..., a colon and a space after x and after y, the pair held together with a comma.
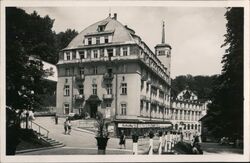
x: 101, y: 28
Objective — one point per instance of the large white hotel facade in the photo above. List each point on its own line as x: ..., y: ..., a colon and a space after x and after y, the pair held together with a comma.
x: 108, y: 68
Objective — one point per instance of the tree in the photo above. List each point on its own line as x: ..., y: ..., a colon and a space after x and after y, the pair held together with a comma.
x: 26, y: 36
x: 201, y: 85
x: 64, y: 38
x: 225, y: 114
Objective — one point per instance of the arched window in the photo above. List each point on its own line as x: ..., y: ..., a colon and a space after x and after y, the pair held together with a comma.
x: 195, y: 127
x: 192, y: 126
x: 188, y: 127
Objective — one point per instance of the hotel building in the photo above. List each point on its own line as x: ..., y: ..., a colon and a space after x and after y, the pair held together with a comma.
x: 187, y: 110
x: 108, y: 68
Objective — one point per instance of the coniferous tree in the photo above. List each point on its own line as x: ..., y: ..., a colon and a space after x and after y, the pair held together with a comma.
x: 225, y: 114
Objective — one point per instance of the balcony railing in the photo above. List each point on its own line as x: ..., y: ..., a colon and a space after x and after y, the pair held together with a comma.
x: 79, y: 97
x: 108, y: 96
x: 108, y: 76
x: 80, y: 77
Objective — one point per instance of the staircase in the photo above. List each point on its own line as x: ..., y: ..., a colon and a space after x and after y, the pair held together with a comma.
x: 43, y: 134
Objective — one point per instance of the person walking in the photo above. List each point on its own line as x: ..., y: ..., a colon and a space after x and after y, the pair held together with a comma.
x: 122, y: 140
x: 69, y: 127
x: 56, y: 119
x: 65, y: 126
x: 196, y: 145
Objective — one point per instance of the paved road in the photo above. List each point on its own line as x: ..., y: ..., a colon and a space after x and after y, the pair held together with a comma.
x: 215, y: 148
x: 79, y: 142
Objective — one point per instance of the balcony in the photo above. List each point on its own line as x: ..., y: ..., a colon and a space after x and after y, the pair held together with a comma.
x: 107, y: 96
x: 144, y: 77
x: 108, y: 76
x: 80, y: 77
x: 79, y: 97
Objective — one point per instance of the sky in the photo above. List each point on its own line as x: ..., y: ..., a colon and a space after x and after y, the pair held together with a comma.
x: 194, y: 33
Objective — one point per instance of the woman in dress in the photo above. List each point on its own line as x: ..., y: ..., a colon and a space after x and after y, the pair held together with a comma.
x: 122, y: 140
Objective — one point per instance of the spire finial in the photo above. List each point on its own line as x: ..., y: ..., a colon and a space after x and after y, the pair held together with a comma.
x: 163, y: 33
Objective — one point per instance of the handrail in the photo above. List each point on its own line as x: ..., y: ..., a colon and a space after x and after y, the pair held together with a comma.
x: 39, y: 127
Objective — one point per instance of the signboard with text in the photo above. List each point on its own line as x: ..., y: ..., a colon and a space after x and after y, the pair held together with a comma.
x: 145, y: 125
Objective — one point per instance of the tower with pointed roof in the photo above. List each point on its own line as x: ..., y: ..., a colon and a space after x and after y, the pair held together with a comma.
x: 163, y: 51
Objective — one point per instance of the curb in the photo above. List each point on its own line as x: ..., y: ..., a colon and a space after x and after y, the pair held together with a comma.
x: 39, y: 149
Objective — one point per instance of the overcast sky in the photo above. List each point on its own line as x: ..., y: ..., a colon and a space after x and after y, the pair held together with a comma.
x: 195, y: 34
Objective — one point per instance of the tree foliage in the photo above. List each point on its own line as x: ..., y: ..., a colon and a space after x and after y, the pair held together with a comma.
x: 225, y: 114
x: 201, y: 85
x: 30, y: 35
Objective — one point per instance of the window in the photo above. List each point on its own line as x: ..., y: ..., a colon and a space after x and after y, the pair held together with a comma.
x: 101, y: 28
x: 161, y: 52
x: 81, y: 89
x: 88, y: 53
x: 81, y: 53
x: 125, y: 51
x: 66, y: 108
x: 124, y: 88
x: 146, y: 105
x: 106, y: 39
x: 95, y: 70
x: 141, y: 105
x: 147, y: 88
x: 82, y: 71
x: 109, y: 89
x: 97, y: 40
x: 101, y: 52
x: 117, y: 51
x: 108, y: 105
x: 66, y: 90
x: 95, y: 54
x: 123, y: 109
x: 110, y: 52
x: 67, y: 71
x: 89, y: 41
x: 94, y: 86
x: 67, y: 56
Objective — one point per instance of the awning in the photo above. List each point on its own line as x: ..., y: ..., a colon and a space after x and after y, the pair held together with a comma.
x: 93, y: 99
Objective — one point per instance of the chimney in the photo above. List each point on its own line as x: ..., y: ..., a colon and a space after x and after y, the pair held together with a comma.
x: 115, y: 16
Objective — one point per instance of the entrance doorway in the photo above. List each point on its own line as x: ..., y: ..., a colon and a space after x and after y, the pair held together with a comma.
x: 93, y: 111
